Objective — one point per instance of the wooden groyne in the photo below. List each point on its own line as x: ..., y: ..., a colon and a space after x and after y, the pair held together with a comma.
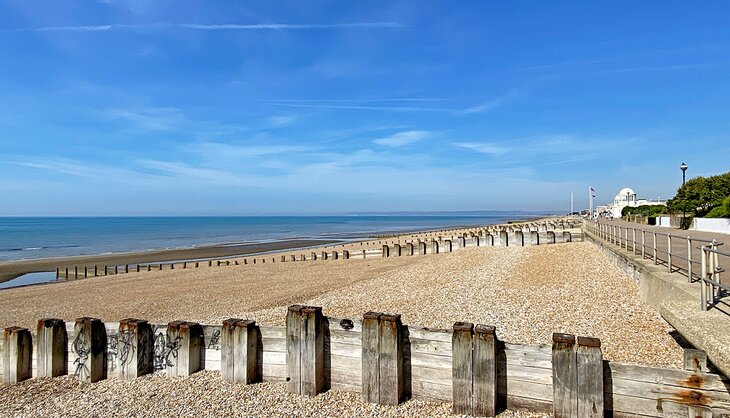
x: 423, y: 243
x: 386, y: 361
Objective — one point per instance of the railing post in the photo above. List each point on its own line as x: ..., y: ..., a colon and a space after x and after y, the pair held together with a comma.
x: 689, y: 259
x: 654, y: 246
x: 703, y: 275
x: 643, y: 244
x: 669, y: 252
x: 633, y: 240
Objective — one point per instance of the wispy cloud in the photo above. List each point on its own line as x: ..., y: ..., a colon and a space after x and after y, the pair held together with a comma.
x: 217, y: 27
x: 282, y: 120
x: 402, y: 138
x: 149, y: 118
x: 491, y: 104
x: 372, y: 104
x: 483, y: 147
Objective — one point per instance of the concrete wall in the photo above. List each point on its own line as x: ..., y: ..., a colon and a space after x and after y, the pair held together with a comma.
x: 721, y: 225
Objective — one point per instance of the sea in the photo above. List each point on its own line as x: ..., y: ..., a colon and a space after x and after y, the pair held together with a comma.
x: 42, y: 237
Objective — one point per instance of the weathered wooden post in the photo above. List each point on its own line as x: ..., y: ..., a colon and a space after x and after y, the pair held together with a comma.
x: 448, y: 247
x: 185, y: 341
x: 550, y: 237
x: 335, y: 255
x: 409, y: 249
x: 462, y: 367
x: 589, y: 365
x: 462, y: 242
x: 324, y: 255
x: 474, y: 369
x: 305, y: 350
x: 565, y: 387
x: 434, y: 247
x: 89, y: 350
x: 503, y: 238
x: 239, y: 352
x: 116, y: 270
x: 135, y: 348
x: 313, y: 256
x: 382, y: 359
x: 293, y: 257
x: 137, y: 268
x: 534, y: 238
x: 397, y: 250
x: 17, y: 358
x: 76, y: 272
x: 345, y: 254
x: 392, y: 383
x: 51, y: 346
x: 422, y: 248
x: 519, y: 238
x: 86, y: 272
x: 567, y: 237
x: 386, y: 251
x: 370, y: 358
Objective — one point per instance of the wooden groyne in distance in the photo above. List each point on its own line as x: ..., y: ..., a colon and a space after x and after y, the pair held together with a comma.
x: 377, y: 356
x: 432, y: 242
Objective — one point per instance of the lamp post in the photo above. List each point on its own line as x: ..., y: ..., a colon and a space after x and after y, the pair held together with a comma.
x: 683, y: 167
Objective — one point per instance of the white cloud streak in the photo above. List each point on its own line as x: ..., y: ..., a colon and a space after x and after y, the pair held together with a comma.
x: 483, y: 147
x: 218, y: 27
x: 402, y: 138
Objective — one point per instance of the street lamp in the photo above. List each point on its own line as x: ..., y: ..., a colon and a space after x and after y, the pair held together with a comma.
x: 683, y: 167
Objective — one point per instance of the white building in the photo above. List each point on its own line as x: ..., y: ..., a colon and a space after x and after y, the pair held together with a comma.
x: 626, y: 197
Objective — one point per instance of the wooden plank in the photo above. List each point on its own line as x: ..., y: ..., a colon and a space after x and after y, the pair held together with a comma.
x: 432, y: 334
x: 272, y: 332
x: 589, y: 362
x: 427, y: 374
x: 346, y: 350
x: 434, y: 347
x: 686, y: 396
x: 274, y: 344
x: 564, y: 377
x: 17, y: 356
x: 430, y: 360
x: 670, y: 377
x: 370, y: 358
x: 531, y: 390
x: 696, y: 360
x: 462, y: 363
x: 526, y: 373
x: 430, y: 390
x: 485, y: 372
x: 274, y: 372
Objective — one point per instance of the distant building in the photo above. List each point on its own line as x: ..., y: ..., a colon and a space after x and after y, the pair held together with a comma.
x: 625, y: 197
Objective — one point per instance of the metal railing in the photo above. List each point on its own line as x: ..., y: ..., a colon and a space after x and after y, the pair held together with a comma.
x: 709, y: 263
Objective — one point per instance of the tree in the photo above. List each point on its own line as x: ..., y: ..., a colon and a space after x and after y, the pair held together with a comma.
x: 700, y: 195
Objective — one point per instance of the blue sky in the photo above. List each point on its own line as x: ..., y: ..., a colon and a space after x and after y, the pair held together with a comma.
x: 131, y: 107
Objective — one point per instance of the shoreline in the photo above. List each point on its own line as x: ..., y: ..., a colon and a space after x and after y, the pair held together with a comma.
x: 13, y: 269
x: 10, y: 270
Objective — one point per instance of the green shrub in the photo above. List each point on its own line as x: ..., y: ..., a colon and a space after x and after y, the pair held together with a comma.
x: 644, y: 210
x: 718, y: 212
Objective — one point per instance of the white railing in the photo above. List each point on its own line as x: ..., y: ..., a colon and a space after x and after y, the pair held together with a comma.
x: 676, y: 261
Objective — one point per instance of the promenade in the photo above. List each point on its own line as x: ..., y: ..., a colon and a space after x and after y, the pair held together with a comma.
x: 679, y: 245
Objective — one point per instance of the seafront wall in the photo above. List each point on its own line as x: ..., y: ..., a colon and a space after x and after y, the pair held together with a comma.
x: 424, y: 243
x: 376, y: 355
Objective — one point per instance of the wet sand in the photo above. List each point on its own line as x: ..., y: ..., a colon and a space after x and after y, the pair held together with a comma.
x: 12, y: 269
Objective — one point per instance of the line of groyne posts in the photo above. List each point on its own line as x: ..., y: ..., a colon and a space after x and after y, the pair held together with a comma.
x: 385, y: 360
x: 513, y: 235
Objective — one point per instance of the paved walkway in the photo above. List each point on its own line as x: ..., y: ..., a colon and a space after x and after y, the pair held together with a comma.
x: 679, y: 246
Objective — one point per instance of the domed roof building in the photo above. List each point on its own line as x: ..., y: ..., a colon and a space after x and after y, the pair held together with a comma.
x: 625, y: 197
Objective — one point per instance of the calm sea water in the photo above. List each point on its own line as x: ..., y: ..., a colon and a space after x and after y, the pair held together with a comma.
x: 25, y: 238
